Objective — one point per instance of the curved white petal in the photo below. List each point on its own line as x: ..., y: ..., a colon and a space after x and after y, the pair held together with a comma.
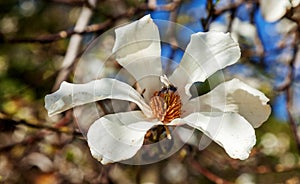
x: 205, y: 54
x: 71, y: 95
x: 274, y: 10
x: 229, y: 130
x: 137, y: 49
x: 233, y: 96
x: 118, y: 137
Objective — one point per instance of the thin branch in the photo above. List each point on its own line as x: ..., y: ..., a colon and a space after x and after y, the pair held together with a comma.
x: 60, y: 35
x: 61, y: 129
x: 289, y: 102
x: 230, y: 7
x: 171, y: 32
x: 213, y: 13
x: 211, y: 9
x: 293, y: 123
x: 93, y: 28
x: 75, y: 43
x: 260, y: 51
x: 67, y: 68
x: 231, y: 18
x: 172, y: 6
x: 209, y: 175
x: 287, y: 87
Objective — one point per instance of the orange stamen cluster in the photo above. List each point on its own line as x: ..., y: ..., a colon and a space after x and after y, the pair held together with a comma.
x: 166, y: 105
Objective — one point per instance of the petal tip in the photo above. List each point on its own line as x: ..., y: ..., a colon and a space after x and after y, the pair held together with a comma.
x: 244, y: 153
x: 147, y: 18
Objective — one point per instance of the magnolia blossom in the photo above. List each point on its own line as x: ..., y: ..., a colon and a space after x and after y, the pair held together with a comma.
x: 275, y: 10
x: 227, y: 115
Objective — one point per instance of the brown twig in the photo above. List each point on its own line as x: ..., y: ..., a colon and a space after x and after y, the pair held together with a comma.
x: 213, y: 13
x: 93, y: 28
x: 172, y: 6
x: 231, y: 18
x: 230, y: 7
x: 211, y: 9
x: 209, y: 175
x: 289, y: 102
x: 61, y: 129
x: 171, y: 32
x: 260, y: 52
x: 75, y: 42
x: 287, y: 87
x: 60, y: 35
x: 71, y: 56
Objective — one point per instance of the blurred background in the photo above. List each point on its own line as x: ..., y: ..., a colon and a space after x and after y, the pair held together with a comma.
x: 35, y: 56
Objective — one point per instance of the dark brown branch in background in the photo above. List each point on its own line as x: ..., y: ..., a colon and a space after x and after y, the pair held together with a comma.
x: 230, y: 7
x: 75, y: 42
x: 260, y: 51
x: 60, y: 35
x: 73, y: 50
x: 94, y: 28
x: 231, y: 18
x: 7, y: 124
x: 287, y: 87
x: 63, y: 129
x: 213, y: 13
x: 171, y: 30
x: 211, y: 9
x: 293, y: 123
x: 209, y: 175
x: 172, y: 6
x: 289, y: 100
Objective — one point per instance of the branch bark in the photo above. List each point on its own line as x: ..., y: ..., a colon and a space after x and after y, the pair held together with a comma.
x: 75, y: 42
x: 209, y: 175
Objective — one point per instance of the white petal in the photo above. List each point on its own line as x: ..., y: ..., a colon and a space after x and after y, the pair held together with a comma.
x: 243, y: 31
x: 229, y: 130
x: 205, y: 54
x: 187, y: 135
x: 233, y: 96
x: 295, y: 3
x: 137, y: 49
x: 118, y: 137
x: 274, y: 10
x: 71, y: 95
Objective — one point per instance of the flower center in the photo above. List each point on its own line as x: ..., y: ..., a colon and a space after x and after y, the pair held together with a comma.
x: 166, y: 103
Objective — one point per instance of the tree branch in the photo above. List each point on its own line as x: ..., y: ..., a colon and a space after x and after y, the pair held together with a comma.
x: 209, y: 175
x: 75, y: 43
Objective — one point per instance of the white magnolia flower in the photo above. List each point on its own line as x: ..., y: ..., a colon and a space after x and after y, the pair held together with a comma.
x: 275, y: 10
x: 228, y: 114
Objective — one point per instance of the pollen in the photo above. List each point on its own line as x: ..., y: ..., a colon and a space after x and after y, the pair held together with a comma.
x: 166, y: 105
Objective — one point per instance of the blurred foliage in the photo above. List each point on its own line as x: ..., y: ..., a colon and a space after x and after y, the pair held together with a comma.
x: 37, y: 149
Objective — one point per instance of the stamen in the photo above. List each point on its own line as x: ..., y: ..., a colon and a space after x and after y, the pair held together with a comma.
x: 166, y: 103
x: 168, y: 132
x: 159, y: 107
